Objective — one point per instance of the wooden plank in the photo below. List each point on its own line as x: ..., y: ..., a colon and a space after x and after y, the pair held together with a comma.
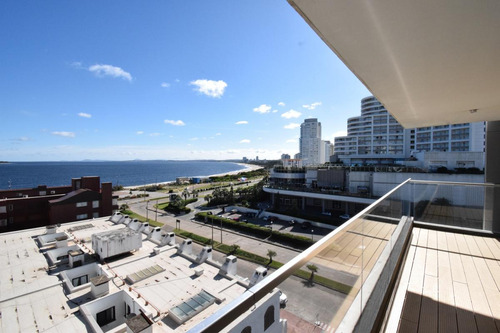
x: 473, y: 248
x: 494, y: 268
x: 432, y: 239
x: 431, y: 266
x: 447, y: 313
x: 428, y: 321
x: 463, y: 248
x: 451, y: 242
x: 422, y: 238
x: 494, y: 246
x: 414, y: 237
x: 483, y: 247
x: 407, y: 326
x: 465, y: 317
x: 457, y: 270
x: 417, y: 272
x: 441, y: 241
x: 480, y: 305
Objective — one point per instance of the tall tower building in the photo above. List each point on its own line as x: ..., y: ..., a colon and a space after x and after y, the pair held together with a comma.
x: 311, y: 147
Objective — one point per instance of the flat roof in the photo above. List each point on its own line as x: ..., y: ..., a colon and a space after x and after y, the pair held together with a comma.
x: 32, y: 297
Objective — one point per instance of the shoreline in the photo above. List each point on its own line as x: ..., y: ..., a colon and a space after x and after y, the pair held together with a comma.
x: 248, y: 167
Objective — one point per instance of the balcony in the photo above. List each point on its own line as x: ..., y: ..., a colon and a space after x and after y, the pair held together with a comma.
x: 421, y: 256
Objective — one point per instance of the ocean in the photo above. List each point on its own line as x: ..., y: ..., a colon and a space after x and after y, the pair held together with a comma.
x: 125, y: 173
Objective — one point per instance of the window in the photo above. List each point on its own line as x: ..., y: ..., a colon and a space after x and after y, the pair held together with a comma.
x: 3, y: 209
x: 105, y: 317
x: 95, y: 215
x: 81, y: 204
x: 269, y: 317
x: 95, y: 204
x: 247, y: 329
x: 81, y: 216
x: 42, y: 193
x: 127, y: 309
x: 78, y: 281
x: 11, y: 208
x: 3, y: 222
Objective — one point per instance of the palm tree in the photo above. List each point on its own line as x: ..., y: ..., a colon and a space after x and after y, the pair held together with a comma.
x: 185, y: 193
x: 271, y: 254
x: 208, y: 197
x: 314, y: 269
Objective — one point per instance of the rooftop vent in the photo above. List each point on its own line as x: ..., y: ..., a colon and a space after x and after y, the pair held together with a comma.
x: 205, y: 253
x: 186, y: 247
x: 259, y: 274
x: 144, y: 274
x: 230, y: 266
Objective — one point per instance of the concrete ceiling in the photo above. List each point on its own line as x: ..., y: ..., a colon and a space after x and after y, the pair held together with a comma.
x: 430, y: 62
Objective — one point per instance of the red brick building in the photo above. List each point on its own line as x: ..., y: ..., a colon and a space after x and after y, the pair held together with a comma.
x: 85, y: 198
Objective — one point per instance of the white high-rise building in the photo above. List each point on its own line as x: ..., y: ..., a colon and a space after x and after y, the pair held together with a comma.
x: 311, y: 146
x: 376, y: 137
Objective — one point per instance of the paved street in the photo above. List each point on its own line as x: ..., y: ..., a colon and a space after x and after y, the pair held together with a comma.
x: 323, y: 300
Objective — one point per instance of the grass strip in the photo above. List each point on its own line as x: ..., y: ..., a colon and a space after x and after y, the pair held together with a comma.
x: 264, y: 261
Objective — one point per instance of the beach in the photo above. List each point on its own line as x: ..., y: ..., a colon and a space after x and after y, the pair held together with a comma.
x: 248, y: 167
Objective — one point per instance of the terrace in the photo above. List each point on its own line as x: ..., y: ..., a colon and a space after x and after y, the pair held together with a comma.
x: 426, y: 254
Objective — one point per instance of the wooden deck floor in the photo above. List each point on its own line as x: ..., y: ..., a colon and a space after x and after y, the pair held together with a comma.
x: 450, y: 283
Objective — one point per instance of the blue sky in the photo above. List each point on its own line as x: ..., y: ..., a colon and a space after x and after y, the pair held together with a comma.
x: 121, y: 80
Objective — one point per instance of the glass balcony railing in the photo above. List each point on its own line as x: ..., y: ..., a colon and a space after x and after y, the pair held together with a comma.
x: 349, y: 273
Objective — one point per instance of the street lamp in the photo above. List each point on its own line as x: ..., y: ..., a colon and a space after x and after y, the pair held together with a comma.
x: 156, y: 211
x: 312, y: 233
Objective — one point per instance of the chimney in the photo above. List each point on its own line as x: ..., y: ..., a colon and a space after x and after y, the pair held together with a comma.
x: 99, y: 286
x: 230, y: 266
x: 259, y: 274
x: 186, y: 247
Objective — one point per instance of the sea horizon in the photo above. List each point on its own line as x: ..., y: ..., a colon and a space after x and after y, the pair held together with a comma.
x: 31, y: 174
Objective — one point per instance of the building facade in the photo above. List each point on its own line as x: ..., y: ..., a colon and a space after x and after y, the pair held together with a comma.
x: 311, y: 146
x: 85, y: 198
x: 376, y: 137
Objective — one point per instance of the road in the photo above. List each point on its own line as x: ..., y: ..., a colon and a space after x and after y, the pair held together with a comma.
x: 311, y: 303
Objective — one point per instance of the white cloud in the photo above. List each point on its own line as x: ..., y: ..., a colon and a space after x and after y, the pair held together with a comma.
x: 139, y: 132
x: 21, y: 139
x: 193, y: 139
x: 174, y: 122
x: 65, y: 134
x: 218, y: 134
x: 245, y: 141
x: 85, y: 115
x: 281, y: 104
x: 311, y: 106
x: 241, y: 122
x: 165, y: 85
x: 291, y: 114
x: 292, y: 141
x: 291, y: 126
x: 262, y: 109
x: 274, y: 111
x: 108, y: 70
x: 155, y: 134
x: 209, y: 87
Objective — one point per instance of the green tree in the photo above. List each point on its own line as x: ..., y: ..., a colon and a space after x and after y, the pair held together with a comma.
x: 314, y: 269
x: 271, y: 254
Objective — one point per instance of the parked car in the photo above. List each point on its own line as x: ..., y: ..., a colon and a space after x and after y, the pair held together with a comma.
x: 265, y: 218
x: 327, y: 213
x: 306, y: 225
x: 345, y: 216
x: 291, y: 222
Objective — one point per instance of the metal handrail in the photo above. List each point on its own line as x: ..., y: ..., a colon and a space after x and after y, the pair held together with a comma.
x: 439, y: 182
x: 240, y: 305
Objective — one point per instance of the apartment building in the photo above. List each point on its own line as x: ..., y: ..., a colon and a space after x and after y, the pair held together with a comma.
x: 85, y: 198
x: 376, y: 137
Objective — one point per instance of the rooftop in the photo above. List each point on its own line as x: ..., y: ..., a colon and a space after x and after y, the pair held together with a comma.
x: 159, y: 280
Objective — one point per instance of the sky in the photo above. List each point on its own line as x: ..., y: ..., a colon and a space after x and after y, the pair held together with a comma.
x: 173, y: 80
